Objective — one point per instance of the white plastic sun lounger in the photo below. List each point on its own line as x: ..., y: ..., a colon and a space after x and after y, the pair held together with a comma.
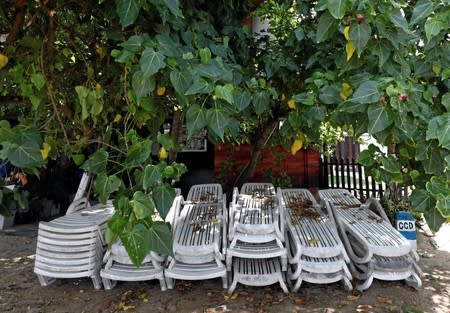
x: 373, y: 244
x: 72, y: 246
x: 206, y: 193
x: 256, y: 227
x: 256, y: 235
x: 118, y: 266
x: 314, y: 248
x: 199, y: 242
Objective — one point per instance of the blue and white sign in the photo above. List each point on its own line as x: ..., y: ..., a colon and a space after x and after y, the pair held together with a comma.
x: 407, y: 227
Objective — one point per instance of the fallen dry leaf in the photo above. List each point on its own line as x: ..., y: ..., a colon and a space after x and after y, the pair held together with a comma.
x: 353, y: 298
x: 105, y: 304
x: 384, y: 299
x: 300, y: 301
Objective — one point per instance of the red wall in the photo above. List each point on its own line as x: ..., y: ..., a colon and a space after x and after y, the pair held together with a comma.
x: 303, y: 167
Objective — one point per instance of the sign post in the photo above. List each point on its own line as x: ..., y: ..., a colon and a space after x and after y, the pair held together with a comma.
x: 407, y: 227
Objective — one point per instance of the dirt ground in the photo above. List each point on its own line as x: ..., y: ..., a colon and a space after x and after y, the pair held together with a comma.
x: 20, y: 290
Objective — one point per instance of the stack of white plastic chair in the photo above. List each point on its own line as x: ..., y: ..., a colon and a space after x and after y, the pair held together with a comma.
x: 72, y: 246
x: 316, y: 254
x: 377, y: 250
x: 199, y: 236
x: 256, y: 254
x: 118, y: 266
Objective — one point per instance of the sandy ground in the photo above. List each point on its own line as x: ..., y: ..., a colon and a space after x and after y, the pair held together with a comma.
x: 20, y: 290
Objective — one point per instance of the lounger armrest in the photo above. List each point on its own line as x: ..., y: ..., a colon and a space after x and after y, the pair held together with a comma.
x: 374, y: 202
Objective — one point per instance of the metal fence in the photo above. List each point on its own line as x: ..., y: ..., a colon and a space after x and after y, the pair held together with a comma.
x: 346, y: 173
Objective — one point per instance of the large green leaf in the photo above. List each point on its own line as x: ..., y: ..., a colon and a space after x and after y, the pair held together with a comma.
x: 422, y: 201
x: 163, y: 195
x: 151, y: 62
x: 330, y: 95
x: 261, y: 101
x: 181, y: 81
x: 133, y: 44
x: 199, y: 86
x: 337, y: 8
x: 359, y: 36
x: 217, y: 120
x: 225, y: 92
x: 242, y: 100
x: 434, y: 218
x: 160, y: 237
x: 105, y: 185
x: 142, y: 205
x: 97, y: 162
x: 366, y: 158
x: 446, y: 101
x: 138, y: 153
x: 398, y: 19
x: 438, y: 187
x: 327, y: 27
x: 142, y: 86
x: 173, y: 6
x: 421, y: 11
x: 390, y: 164
x: 212, y: 70
x: 195, y: 119
x: 137, y: 243
x: 367, y: 92
x: 439, y: 128
x: 433, y: 27
x: 443, y: 205
x: 380, y: 118
x: 22, y: 147
x: 382, y: 49
x: 152, y: 175
x: 117, y: 222
x: 128, y: 11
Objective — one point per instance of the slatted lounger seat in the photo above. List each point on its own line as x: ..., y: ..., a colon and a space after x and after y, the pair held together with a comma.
x: 372, y: 243
x: 206, y: 193
x: 118, y: 267
x: 199, y: 243
x: 72, y: 246
x: 312, y: 240
x: 256, y: 225
x: 257, y: 272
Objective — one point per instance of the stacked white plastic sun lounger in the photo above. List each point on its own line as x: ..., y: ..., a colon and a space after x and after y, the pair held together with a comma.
x: 316, y: 253
x: 118, y: 266
x: 199, y: 236
x: 72, y: 246
x: 376, y: 248
x: 256, y: 254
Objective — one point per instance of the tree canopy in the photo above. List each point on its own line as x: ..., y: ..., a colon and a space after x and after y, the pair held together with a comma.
x: 95, y: 81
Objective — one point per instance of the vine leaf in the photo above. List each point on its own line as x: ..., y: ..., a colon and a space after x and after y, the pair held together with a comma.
x: 137, y: 243
x: 128, y: 11
x: 380, y: 118
x: 105, y: 185
x: 142, y: 205
x: 160, y: 238
x: 163, y: 195
x: 151, y: 62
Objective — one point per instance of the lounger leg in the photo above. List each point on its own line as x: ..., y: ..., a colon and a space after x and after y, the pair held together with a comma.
x: 97, y: 281
x: 109, y: 284
x: 45, y: 281
x: 283, y: 284
x: 414, y: 281
x: 162, y: 284
x: 297, y: 284
x: 225, y: 281
x: 347, y: 284
x: 366, y: 284
x: 228, y: 262
x: 233, y: 286
x: 170, y: 282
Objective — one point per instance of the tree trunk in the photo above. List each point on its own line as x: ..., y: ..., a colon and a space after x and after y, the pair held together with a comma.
x: 19, y: 19
x: 177, y: 124
x: 260, y: 143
